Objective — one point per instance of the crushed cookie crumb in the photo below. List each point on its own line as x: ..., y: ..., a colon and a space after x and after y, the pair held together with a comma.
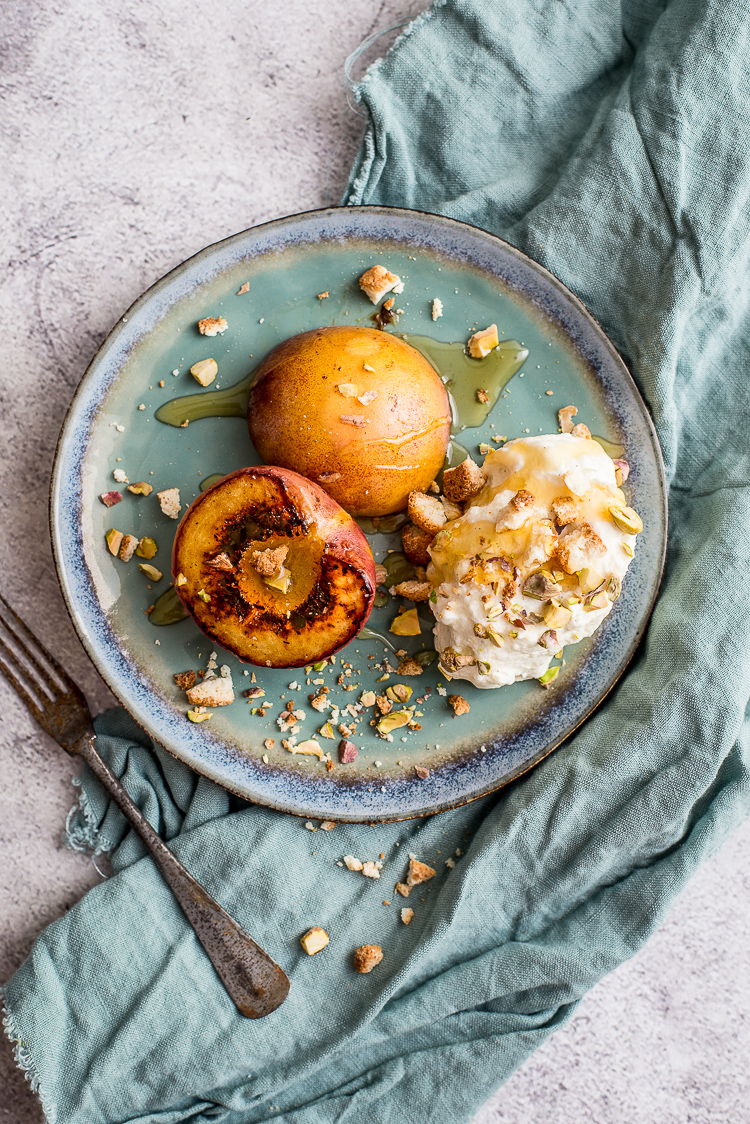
x: 377, y: 281
x: 367, y: 957
x: 269, y: 563
x: 464, y: 481
x: 565, y: 418
x: 212, y: 326
x: 419, y: 872
x: 169, y: 501
x: 426, y: 512
x: 413, y: 590
x: 220, y: 562
x: 459, y: 705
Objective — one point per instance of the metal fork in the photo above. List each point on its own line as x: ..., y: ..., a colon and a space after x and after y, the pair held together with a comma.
x: 255, y: 982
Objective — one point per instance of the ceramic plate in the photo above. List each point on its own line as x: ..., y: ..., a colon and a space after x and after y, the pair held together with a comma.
x: 111, y: 424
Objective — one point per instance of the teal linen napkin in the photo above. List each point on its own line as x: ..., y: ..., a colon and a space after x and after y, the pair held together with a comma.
x: 610, y: 142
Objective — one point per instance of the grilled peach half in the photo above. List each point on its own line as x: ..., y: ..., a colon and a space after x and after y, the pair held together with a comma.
x: 273, y: 569
x: 359, y: 411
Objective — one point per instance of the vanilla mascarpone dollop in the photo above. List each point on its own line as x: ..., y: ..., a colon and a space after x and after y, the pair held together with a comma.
x: 535, y: 562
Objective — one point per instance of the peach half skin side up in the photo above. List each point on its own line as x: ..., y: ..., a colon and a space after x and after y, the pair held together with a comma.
x: 357, y: 410
x: 272, y: 569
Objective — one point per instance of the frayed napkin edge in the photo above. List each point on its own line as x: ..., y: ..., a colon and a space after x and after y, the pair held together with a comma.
x: 357, y: 186
x: 25, y: 1061
x: 84, y: 835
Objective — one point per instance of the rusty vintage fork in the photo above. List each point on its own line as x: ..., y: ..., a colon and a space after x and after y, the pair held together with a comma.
x: 255, y: 982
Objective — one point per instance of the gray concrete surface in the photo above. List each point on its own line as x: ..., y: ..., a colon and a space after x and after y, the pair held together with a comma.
x: 133, y: 134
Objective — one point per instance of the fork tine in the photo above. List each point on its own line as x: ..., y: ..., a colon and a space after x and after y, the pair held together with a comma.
x: 53, y: 687
x: 18, y: 684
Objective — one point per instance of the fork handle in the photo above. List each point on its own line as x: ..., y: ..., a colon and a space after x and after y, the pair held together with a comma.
x: 256, y: 984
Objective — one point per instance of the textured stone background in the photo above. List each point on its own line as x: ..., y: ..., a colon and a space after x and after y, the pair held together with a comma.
x: 133, y: 134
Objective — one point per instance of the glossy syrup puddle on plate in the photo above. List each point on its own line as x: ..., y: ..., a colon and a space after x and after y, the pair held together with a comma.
x: 462, y: 376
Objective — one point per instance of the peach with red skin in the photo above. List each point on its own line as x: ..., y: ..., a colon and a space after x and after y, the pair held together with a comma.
x: 368, y: 455
x: 332, y: 569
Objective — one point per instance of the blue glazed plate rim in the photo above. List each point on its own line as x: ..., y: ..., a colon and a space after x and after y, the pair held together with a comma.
x: 466, y: 777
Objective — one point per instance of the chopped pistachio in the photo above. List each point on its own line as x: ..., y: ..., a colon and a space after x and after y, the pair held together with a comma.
x: 628, y: 549
x: 150, y: 571
x: 598, y: 601
x: 146, y: 548
x: 541, y: 586
x: 114, y: 538
x: 109, y: 499
x: 326, y: 731
x: 613, y: 588
x: 140, y: 488
x: 199, y: 715
x: 626, y: 519
x: 549, y: 676
x: 367, y: 698
x: 320, y: 665
x: 482, y: 343
x: 407, y: 624
x: 399, y: 692
x: 280, y: 582
x: 548, y: 639
x: 496, y: 637
x: 589, y: 579
x: 314, y: 940
x: 127, y: 547
x: 310, y: 748
x: 205, y: 371
x: 394, y: 721
x: 555, y: 615
x: 180, y: 580
x: 489, y: 632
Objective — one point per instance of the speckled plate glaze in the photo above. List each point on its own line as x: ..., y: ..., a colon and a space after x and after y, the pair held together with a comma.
x: 479, y: 279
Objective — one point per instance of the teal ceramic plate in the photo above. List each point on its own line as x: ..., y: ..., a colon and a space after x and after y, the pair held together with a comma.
x: 112, y: 425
